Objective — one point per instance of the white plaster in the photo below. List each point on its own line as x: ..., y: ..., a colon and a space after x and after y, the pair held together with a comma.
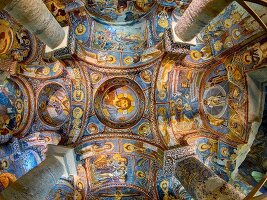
x: 243, y: 150
x: 256, y: 101
x: 66, y: 156
x: 178, y: 40
x: 63, y: 44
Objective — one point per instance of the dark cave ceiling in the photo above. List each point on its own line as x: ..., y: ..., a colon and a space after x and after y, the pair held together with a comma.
x: 121, y: 99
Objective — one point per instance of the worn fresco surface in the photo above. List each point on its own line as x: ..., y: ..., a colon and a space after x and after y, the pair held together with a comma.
x: 121, y: 99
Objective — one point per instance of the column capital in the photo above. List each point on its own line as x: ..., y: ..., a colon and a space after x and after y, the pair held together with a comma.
x: 66, y: 156
x: 172, y: 156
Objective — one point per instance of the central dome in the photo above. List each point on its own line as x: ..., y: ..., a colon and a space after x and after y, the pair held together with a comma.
x: 119, y: 11
x: 119, y: 103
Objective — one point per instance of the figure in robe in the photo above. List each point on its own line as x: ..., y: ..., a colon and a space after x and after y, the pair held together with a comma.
x: 117, y: 104
x: 215, y: 101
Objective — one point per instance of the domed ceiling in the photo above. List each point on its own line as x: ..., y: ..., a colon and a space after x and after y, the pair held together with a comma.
x: 119, y: 12
x: 124, y: 95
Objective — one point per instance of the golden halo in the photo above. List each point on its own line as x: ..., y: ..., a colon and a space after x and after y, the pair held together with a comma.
x: 9, y: 37
x: 131, y: 108
x: 55, y: 68
x: 224, y: 151
x: 19, y: 109
x: 111, y: 59
x: 80, y: 29
x: 247, y: 58
x: 163, y: 22
x: 75, y: 95
x: 96, y: 77
x: 4, y: 160
x: 128, y: 60
x: 195, y: 55
x: 77, y: 113
x: 46, y: 71
x: 228, y: 23
x: 218, y: 45
x: 164, y: 185
x: 200, y: 147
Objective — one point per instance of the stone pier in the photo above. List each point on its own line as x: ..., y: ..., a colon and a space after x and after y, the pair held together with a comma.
x: 202, y: 183
x: 34, y: 15
x: 197, y: 16
x: 38, y: 182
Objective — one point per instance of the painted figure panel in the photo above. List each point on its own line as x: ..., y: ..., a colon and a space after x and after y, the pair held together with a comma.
x: 120, y: 10
x: 54, y: 105
x: 119, y: 102
x: 119, y: 38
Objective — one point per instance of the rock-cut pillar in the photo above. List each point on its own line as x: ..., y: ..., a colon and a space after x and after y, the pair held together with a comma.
x: 202, y: 183
x: 38, y: 182
x: 197, y: 16
x: 34, y: 15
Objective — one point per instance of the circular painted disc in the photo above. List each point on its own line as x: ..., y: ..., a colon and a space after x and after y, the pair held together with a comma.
x: 119, y: 103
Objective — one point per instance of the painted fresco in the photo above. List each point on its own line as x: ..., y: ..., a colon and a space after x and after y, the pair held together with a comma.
x: 162, y: 20
x: 230, y: 28
x: 57, y: 8
x: 7, y: 37
x: 221, y: 158
x: 53, y: 105
x: 169, y: 187
x: 16, y: 43
x: 62, y: 190
x: 116, y: 46
x: 118, y: 193
x: 138, y: 88
x: 80, y: 183
x: 252, y: 57
x: 254, y: 166
x: 119, y: 11
x: 119, y: 162
x: 119, y: 38
x: 79, y: 101
x: 14, y: 106
x: 224, y: 101
x: 177, y: 101
x: 120, y: 103
x: 44, y: 72
x: 20, y: 156
x: 81, y: 26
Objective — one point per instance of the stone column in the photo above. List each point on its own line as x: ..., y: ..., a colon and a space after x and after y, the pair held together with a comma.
x: 202, y: 183
x: 34, y: 15
x: 38, y: 182
x: 197, y: 16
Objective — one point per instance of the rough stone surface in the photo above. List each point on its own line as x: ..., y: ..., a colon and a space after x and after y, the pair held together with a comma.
x: 197, y: 16
x: 37, y: 19
x: 202, y: 183
x: 29, y: 187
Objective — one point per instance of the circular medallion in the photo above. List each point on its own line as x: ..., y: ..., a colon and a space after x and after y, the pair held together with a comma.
x: 163, y: 22
x: 80, y: 29
x: 119, y: 103
x: 14, y: 107
x: 128, y: 60
x: 53, y: 105
x: 6, y: 38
